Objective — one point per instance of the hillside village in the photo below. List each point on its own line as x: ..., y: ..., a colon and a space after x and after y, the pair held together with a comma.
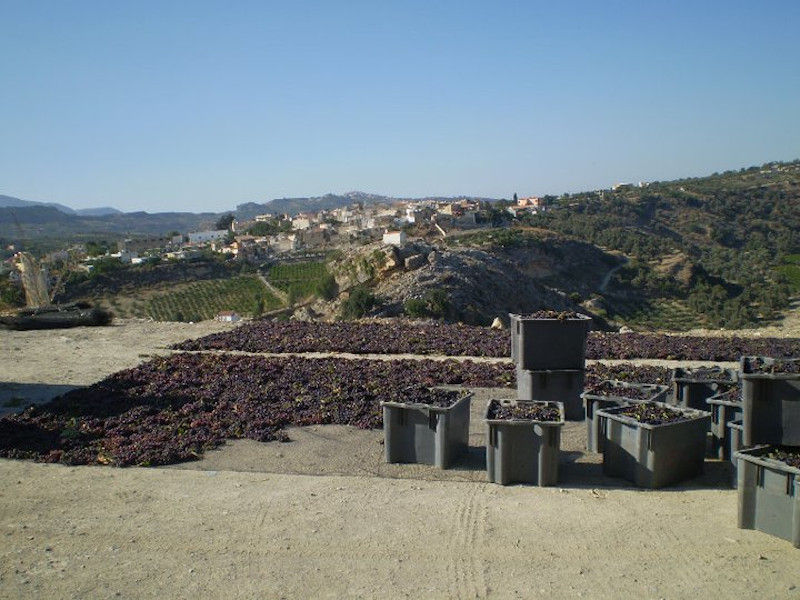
x: 271, y: 235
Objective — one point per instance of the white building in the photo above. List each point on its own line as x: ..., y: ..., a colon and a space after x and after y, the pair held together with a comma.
x: 394, y: 238
x: 201, y: 237
x: 284, y: 243
x: 299, y: 223
x: 228, y: 316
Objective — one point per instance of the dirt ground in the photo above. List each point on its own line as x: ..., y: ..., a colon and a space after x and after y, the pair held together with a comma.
x: 323, y: 516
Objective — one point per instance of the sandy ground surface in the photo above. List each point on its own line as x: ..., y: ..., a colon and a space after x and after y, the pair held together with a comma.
x: 322, y: 516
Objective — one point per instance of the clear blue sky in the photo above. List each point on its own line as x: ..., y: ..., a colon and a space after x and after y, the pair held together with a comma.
x: 204, y: 105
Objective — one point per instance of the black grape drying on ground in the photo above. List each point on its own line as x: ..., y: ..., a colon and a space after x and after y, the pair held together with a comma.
x: 757, y: 364
x: 172, y: 409
x: 679, y: 347
x: 401, y: 337
x: 790, y: 456
x: 423, y: 395
x: 652, y: 414
x: 619, y: 390
x: 523, y: 411
x: 404, y: 337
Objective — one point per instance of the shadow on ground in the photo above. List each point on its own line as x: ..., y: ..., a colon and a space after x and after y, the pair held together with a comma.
x: 344, y: 450
x: 15, y: 397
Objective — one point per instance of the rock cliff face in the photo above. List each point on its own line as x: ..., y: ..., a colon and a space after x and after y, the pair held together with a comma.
x: 479, y: 284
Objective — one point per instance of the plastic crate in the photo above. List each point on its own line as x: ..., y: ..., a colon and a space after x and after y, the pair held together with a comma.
x: 420, y: 433
x: 736, y: 431
x: 548, y: 344
x: 594, y: 402
x: 691, y: 387
x: 563, y: 386
x: 771, y: 405
x: 722, y: 413
x: 769, y: 494
x: 653, y: 456
x: 523, y: 451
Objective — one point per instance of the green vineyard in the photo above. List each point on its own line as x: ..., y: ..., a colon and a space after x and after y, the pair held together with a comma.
x: 670, y: 315
x: 204, y: 299
x: 299, y: 280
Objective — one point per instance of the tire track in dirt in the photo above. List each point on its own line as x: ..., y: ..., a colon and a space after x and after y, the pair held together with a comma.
x: 465, y: 571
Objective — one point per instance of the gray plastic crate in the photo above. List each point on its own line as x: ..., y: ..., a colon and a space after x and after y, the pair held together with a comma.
x: 653, y: 456
x: 523, y: 451
x: 431, y: 435
x: 769, y: 494
x: 594, y: 402
x: 722, y: 413
x: 734, y: 445
x: 546, y: 344
x: 565, y: 386
x: 691, y: 387
x: 771, y: 405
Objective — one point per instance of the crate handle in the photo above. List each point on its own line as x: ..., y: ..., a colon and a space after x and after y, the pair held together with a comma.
x: 433, y: 419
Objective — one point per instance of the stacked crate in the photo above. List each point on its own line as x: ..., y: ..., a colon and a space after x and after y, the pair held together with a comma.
x: 549, y: 354
x: 768, y: 469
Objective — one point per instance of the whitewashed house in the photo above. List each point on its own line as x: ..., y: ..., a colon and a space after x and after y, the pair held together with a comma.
x: 394, y: 238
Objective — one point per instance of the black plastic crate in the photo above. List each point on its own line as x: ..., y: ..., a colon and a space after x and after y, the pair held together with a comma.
x: 692, y: 387
x: 653, y: 456
x: 723, y: 411
x: 771, y: 404
x: 420, y: 433
x: 769, y: 494
x: 547, y: 344
x: 594, y: 402
x: 564, y: 385
x: 523, y: 451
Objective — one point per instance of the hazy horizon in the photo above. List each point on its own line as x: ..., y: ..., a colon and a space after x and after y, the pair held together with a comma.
x: 150, y: 107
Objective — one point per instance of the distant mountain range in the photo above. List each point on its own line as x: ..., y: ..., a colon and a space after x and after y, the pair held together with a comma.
x: 102, y: 211
x: 25, y: 220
